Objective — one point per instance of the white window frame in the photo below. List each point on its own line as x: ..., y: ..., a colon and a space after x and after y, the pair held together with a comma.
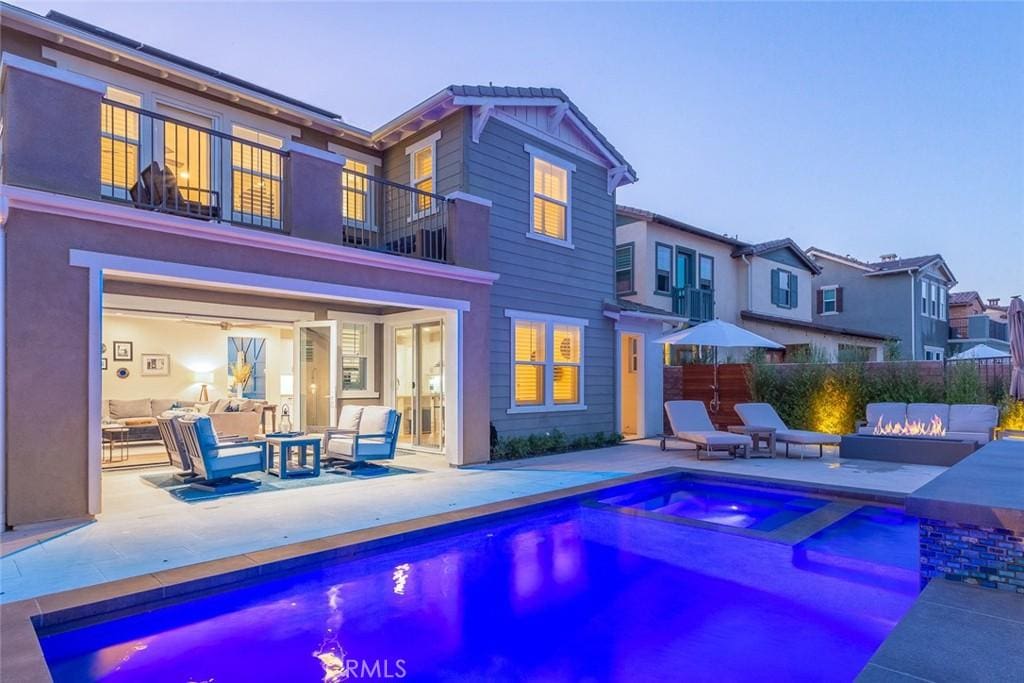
x: 113, y: 191
x: 785, y: 282
x: 937, y: 353
x: 835, y: 300
x: 925, y: 284
x: 369, y: 222
x: 569, y: 168
x: 411, y: 151
x: 943, y: 310
x: 370, y: 321
x: 549, y: 405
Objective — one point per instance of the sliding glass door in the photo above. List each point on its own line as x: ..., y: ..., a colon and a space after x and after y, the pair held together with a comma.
x: 419, y: 383
x: 316, y: 371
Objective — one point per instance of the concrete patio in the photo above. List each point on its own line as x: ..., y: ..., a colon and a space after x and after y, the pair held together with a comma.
x: 144, y: 529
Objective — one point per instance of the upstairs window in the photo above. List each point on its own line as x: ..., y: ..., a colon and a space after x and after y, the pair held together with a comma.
x: 550, y: 193
x: 624, y: 269
x: 943, y: 308
x: 784, y: 288
x: 422, y: 167
x: 355, y: 193
x: 707, y: 272
x: 256, y: 177
x: 830, y: 300
x: 662, y: 269
x: 119, y: 143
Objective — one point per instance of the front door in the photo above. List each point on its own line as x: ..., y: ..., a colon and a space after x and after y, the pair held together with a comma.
x: 419, y: 384
x: 316, y: 374
x: 631, y: 386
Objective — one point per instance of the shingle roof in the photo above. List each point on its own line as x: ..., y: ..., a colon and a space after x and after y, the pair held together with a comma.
x: 904, y: 263
x: 960, y: 298
x: 627, y: 305
x: 806, y: 325
x: 644, y: 215
x: 515, y: 91
x: 774, y: 245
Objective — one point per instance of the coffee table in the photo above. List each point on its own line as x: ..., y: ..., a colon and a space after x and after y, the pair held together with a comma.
x: 119, y: 435
x: 301, y: 445
x: 758, y: 435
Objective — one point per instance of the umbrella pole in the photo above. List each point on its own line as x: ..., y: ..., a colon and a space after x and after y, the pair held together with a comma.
x: 714, y: 400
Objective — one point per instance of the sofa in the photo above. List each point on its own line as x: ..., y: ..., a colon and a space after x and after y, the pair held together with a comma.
x: 239, y: 417
x: 963, y: 421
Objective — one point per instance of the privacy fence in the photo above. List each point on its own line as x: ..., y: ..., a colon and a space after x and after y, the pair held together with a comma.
x: 830, y: 397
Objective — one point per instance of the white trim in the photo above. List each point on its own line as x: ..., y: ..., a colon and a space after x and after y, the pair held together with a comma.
x: 95, y: 383
x: 569, y: 168
x: 830, y: 288
x: 640, y: 315
x: 370, y: 160
x: 477, y: 100
x: 913, y: 316
x: 126, y: 216
x: 170, y: 270
x: 549, y: 321
x: 299, y: 148
x: 420, y: 144
x: 411, y: 151
x: 456, y: 455
x: 548, y: 139
x: 12, y: 61
x: 472, y: 198
x: 371, y: 321
x: 555, y: 117
x: 935, y: 351
x: 812, y: 252
x: 641, y: 380
x: 481, y: 115
x: 3, y: 365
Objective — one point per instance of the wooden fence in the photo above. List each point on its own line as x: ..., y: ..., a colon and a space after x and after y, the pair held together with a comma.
x: 694, y: 382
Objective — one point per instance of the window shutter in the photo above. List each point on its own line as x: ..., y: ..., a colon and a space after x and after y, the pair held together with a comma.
x: 775, y: 286
x: 792, y: 290
x: 839, y: 299
x: 821, y: 301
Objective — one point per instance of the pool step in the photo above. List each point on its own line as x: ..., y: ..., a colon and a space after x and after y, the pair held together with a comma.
x: 811, y: 523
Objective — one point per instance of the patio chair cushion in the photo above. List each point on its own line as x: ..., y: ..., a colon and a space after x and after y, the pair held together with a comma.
x: 242, y: 456
x: 205, y: 433
x: 886, y: 412
x: 715, y: 438
x: 973, y: 418
x: 688, y: 416
x: 345, y: 446
x: 806, y: 437
x: 926, y: 412
x: 759, y: 415
x: 349, y: 417
x: 374, y: 420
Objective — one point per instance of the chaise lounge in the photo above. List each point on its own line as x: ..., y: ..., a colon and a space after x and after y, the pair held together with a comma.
x: 690, y: 423
x: 216, y: 463
x: 764, y: 415
x: 363, y: 433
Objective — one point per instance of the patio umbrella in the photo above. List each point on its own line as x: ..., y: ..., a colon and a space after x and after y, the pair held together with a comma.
x: 718, y: 334
x: 979, y: 352
x: 1016, y: 324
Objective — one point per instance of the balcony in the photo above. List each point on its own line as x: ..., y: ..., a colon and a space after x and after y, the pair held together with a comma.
x: 978, y: 327
x: 694, y: 303
x: 62, y: 135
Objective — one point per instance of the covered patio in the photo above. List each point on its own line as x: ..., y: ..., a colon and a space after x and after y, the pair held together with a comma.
x: 144, y: 528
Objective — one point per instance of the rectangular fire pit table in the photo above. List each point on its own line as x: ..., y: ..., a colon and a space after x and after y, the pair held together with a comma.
x: 911, y: 450
x: 283, y: 445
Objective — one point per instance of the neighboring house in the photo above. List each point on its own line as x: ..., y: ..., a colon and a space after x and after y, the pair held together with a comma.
x: 973, y: 322
x: 698, y: 275
x: 905, y: 299
x: 456, y: 263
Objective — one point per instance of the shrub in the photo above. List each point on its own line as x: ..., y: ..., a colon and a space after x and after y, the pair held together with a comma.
x: 555, y: 441
x: 964, y: 385
x: 1011, y: 413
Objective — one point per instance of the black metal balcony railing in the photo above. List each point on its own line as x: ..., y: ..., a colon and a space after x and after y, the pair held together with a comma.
x: 386, y: 216
x: 694, y: 303
x: 163, y: 164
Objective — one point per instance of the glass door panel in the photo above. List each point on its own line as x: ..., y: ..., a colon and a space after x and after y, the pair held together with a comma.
x: 405, y: 383
x: 430, y: 388
x: 316, y: 371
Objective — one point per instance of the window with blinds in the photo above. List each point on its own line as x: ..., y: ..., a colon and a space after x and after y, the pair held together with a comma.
x: 550, y: 199
x: 547, y: 363
x: 119, y: 143
x: 423, y: 177
x: 624, y: 269
x: 256, y: 176
x: 355, y: 193
x: 353, y: 339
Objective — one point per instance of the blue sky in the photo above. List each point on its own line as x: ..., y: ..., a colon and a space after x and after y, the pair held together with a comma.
x: 860, y: 128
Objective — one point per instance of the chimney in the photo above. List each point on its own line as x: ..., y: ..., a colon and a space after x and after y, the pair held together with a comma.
x: 888, y: 257
x: 993, y: 302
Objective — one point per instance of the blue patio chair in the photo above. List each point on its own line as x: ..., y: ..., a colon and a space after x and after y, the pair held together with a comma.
x: 375, y: 438
x: 217, y: 462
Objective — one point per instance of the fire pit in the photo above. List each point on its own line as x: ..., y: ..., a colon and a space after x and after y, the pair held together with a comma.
x: 916, y: 450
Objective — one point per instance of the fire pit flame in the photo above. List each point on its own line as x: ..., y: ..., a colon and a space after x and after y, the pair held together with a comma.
x: 934, y: 427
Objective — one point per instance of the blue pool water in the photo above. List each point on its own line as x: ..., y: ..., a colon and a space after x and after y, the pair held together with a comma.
x: 571, y: 593
x: 735, y: 506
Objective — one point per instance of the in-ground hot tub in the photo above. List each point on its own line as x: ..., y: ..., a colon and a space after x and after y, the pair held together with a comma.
x: 914, y: 450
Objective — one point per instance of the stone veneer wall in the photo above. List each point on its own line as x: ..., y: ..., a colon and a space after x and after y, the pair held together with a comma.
x: 980, y: 556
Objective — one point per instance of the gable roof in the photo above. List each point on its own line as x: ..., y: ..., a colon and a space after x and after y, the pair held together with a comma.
x: 644, y: 215
x: 874, y: 268
x: 964, y: 298
x: 818, y: 252
x: 813, y: 326
x: 763, y: 248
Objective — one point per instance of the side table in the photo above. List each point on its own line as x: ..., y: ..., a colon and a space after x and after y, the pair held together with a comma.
x: 758, y: 435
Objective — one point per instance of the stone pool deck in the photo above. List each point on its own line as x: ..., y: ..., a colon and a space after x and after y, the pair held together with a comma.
x: 144, y: 529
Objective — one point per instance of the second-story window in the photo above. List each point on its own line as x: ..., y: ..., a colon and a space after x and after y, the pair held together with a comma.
x: 784, y: 288
x: 422, y: 171
x: 355, y: 194
x: 256, y: 177
x: 662, y: 269
x: 550, y: 197
x: 119, y: 143
x: 624, y: 269
x: 707, y: 272
x: 943, y: 309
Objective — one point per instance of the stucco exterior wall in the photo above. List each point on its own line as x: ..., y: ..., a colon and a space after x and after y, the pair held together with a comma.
x: 761, y: 301
x: 827, y: 342
x: 47, y: 323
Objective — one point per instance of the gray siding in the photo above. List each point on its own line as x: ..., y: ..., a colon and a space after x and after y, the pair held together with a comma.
x: 547, y: 278
x: 448, y: 175
x: 930, y: 331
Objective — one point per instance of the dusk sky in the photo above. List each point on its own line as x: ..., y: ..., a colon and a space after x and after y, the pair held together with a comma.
x: 859, y: 128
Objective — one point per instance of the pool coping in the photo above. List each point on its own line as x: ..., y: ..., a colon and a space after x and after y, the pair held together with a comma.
x: 21, y: 621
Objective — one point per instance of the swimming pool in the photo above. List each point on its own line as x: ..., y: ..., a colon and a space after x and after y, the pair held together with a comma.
x: 568, y: 592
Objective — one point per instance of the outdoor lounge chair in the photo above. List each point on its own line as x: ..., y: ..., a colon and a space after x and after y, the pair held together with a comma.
x: 690, y: 422
x: 764, y: 415
x: 363, y: 433
x: 177, y: 453
x: 217, y: 462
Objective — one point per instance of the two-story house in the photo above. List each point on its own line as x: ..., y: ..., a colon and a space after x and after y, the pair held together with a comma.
x: 168, y: 228
x: 904, y: 298
x: 973, y: 322
x: 697, y: 275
